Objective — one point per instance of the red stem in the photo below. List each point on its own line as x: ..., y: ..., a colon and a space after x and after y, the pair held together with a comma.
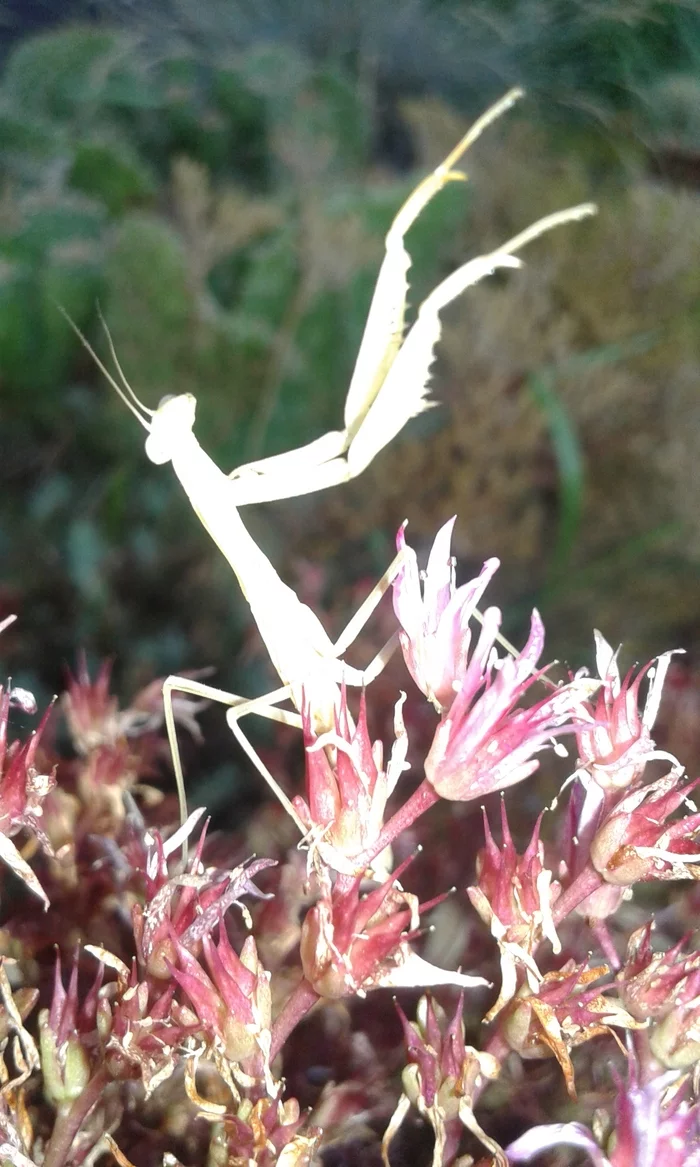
x: 586, y: 882
x: 297, y: 1005
x: 602, y: 934
x: 420, y: 801
x: 67, y: 1125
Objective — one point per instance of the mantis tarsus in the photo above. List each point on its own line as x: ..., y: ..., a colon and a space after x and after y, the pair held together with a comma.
x: 388, y: 387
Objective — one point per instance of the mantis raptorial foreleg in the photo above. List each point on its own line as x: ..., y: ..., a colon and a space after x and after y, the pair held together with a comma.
x: 327, y: 460
x: 390, y: 382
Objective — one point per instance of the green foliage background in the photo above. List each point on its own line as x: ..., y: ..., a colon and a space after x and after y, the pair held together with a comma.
x: 220, y: 184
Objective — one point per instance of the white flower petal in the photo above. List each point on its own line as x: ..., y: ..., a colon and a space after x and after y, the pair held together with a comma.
x: 558, y: 1134
x: 606, y: 662
x: 11, y: 856
x: 656, y: 684
x: 414, y: 972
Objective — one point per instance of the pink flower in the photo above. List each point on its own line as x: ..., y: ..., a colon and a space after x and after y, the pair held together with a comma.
x: 664, y: 987
x: 233, y: 1003
x: 569, y: 1008
x: 441, y: 1080
x: 95, y: 720
x: 514, y: 894
x: 617, y: 746
x: 483, y: 742
x: 435, y: 634
x: 652, y: 984
x: 634, y: 842
x: 351, y: 943
x: 654, y: 1125
x: 143, y: 1021
x: 347, y: 786
x: 91, y: 712
x: 67, y: 1037
x: 140, y: 1026
x: 268, y: 1133
x: 22, y: 789
x: 179, y: 913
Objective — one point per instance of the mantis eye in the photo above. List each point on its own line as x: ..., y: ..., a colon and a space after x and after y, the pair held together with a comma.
x: 172, y: 421
x: 158, y: 449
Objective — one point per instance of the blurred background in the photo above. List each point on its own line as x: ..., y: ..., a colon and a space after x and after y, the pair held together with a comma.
x: 219, y: 177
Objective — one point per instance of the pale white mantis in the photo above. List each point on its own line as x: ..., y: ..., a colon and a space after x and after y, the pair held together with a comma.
x: 389, y: 386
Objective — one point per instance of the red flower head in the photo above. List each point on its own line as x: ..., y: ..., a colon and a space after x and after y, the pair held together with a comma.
x: 664, y: 987
x: 634, y: 842
x: 141, y: 1018
x: 568, y: 1009
x: 68, y: 1037
x: 233, y: 1004
x: 352, y: 943
x: 652, y: 984
x: 514, y: 896
x: 95, y: 720
x: 139, y: 1024
x: 22, y: 788
x: 654, y: 1125
x: 441, y: 1078
x: 91, y: 712
x: 179, y: 912
x: 265, y: 1133
x: 616, y: 748
x: 347, y: 787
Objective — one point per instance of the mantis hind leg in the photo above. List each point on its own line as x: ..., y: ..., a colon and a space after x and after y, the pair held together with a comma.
x: 265, y: 706
x: 238, y: 706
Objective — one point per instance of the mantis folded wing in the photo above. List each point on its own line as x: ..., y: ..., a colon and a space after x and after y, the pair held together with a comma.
x: 388, y: 387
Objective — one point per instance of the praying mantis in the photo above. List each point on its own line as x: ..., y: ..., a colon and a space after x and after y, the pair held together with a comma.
x: 389, y: 386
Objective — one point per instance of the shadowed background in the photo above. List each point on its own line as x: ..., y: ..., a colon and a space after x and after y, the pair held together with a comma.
x: 221, y: 182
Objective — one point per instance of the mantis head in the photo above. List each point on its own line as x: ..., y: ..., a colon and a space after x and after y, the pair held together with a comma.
x: 173, y: 418
x: 165, y: 425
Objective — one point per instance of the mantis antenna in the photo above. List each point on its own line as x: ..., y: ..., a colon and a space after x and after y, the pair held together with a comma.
x: 126, y: 393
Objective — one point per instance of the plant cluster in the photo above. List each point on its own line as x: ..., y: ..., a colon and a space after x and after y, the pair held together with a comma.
x: 217, y: 1008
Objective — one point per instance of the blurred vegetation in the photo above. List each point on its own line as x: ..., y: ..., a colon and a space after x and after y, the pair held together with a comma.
x: 219, y: 178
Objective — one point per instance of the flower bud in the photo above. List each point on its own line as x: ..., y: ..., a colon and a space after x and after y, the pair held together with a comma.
x: 65, y: 1066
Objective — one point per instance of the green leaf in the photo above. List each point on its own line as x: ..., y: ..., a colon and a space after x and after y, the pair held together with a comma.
x: 565, y: 441
x: 36, y: 344
x: 85, y: 554
x: 271, y: 279
x: 71, y: 222
x: 132, y: 88
x: 341, y: 116
x: 21, y: 134
x: 111, y: 172
x: 245, y: 114
x: 150, y: 305
x: 56, y: 73
x: 570, y: 463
